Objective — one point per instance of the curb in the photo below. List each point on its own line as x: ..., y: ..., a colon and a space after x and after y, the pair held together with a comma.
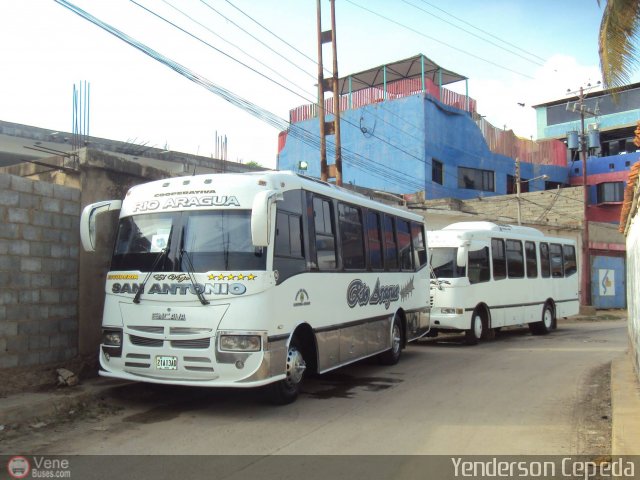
x: 625, y: 408
x: 26, y: 408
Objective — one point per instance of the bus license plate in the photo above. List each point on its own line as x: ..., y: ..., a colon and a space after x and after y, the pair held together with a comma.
x: 164, y: 362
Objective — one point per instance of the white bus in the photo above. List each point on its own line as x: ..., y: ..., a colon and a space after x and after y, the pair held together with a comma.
x: 246, y: 280
x: 487, y: 276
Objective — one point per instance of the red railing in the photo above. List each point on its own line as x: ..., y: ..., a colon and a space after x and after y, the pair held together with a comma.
x: 395, y: 90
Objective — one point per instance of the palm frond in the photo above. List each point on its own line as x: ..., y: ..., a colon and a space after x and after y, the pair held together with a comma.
x: 619, y: 41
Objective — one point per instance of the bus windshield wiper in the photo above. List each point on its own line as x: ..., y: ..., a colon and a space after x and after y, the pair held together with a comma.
x: 161, y: 255
x: 191, y: 270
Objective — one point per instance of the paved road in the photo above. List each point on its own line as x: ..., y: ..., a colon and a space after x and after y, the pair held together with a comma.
x: 514, y: 395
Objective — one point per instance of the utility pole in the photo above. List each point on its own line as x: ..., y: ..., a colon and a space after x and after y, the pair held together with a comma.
x: 585, y: 281
x: 329, y: 84
x: 586, y: 262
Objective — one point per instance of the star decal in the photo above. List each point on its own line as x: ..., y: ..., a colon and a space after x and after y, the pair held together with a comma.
x: 212, y: 276
x: 251, y: 276
x: 220, y: 277
x: 241, y: 277
x: 231, y: 277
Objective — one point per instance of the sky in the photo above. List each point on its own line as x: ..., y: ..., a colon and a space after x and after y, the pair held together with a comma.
x: 513, y: 52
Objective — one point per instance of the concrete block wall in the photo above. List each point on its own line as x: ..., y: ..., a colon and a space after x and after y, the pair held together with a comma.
x: 39, y: 248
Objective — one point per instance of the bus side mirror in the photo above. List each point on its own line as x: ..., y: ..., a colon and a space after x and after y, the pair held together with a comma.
x: 88, y: 221
x: 261, y: 217
x: 461, y: 258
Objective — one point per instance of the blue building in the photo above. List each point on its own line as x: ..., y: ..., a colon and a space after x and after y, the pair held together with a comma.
x: 403, y: 132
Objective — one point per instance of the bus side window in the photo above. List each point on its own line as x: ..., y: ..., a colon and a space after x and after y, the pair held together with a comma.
x: 390, y: 244
x: 532, y: 260
x: 555, y: 250
x: 375, y: 243
x: 515, y: 259
x: 419, y: 250
x: 325, y: 234
x: 479, y: 266
x: 351, y: 239
x: 570, y: 265
x: 404, y: 245
x: 545, y: 265
x: 499, y: 259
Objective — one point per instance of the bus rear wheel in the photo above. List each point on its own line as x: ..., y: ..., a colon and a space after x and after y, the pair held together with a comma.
x: 475, y: 333
x: 286, y: 391
x: 392, y: 356
x: 545, y: 325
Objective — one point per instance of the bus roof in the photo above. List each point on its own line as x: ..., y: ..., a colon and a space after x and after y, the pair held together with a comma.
x: 494, y: 227
x: 257, y: 181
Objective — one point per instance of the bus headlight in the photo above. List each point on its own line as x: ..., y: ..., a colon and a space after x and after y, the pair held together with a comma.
x: 240, y: 343
x: 452, y: 311
x: 112, y: 338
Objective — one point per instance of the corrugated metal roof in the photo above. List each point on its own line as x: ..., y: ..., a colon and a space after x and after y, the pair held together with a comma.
x: 402, y: 69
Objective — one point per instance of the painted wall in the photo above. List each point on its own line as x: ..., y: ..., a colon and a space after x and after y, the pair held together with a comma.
x: 633, y: 288
x: 422, y: 129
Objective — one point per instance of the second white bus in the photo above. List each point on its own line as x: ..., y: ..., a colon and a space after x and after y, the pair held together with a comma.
x: 487, y: 276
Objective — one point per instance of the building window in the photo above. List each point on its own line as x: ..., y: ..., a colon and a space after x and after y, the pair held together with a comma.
x: 475, y: 179
x: 512, y: 187
x: 610, y: 192
x: 436, y: 172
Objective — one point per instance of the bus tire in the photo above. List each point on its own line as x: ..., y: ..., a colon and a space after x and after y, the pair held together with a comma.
x: 474, y: 334
x: 392, y: 356
x: 545, y: 325
x: 286, y: 391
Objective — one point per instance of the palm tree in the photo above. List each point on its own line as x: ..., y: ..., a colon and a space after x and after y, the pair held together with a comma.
x: 619, y: 41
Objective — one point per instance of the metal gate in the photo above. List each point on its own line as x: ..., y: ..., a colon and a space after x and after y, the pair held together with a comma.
x: 608, y: 282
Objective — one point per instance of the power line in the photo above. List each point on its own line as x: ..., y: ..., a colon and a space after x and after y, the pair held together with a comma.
x: 216, y: 49
x: 314, y: 61
x: 535, y: 62
x: 484, y: 31
x: 256, y: 39
x: 422, y: 34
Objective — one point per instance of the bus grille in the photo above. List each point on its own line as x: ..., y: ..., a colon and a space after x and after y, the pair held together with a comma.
x: 431, y: 301
x: 145, y: 342
x: 197, y: 343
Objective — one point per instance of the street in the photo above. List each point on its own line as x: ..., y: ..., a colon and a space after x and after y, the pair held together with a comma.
x: 517, y: 394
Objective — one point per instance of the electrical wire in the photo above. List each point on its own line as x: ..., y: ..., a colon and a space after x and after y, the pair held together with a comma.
x: 484, y: 31
x: 422, y: 34
x: 535, y: 62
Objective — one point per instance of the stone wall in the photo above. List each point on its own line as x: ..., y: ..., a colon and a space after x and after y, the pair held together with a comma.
x: 39, y: 244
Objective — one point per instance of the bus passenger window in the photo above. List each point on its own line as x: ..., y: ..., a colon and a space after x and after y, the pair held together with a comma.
x: 545, y: 266
x: 351, y: 239
x: 499, y: 259
x: 570, y: 266
x: 479, y: 266
x: 375, y: 244
x: 390, y: 245
x: 419, y: 251
x: 325, y: 235
x: 555, y: 251
x: 404, y: 245
x: 515, y: 260
x: 532, y: 260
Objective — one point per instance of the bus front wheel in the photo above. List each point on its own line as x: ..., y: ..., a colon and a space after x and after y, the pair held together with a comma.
x: 286, y: 391
x: 474, y: 334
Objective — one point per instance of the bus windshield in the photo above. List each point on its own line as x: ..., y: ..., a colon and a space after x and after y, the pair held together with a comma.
x: 211, y: 240
x: 444, y: 263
